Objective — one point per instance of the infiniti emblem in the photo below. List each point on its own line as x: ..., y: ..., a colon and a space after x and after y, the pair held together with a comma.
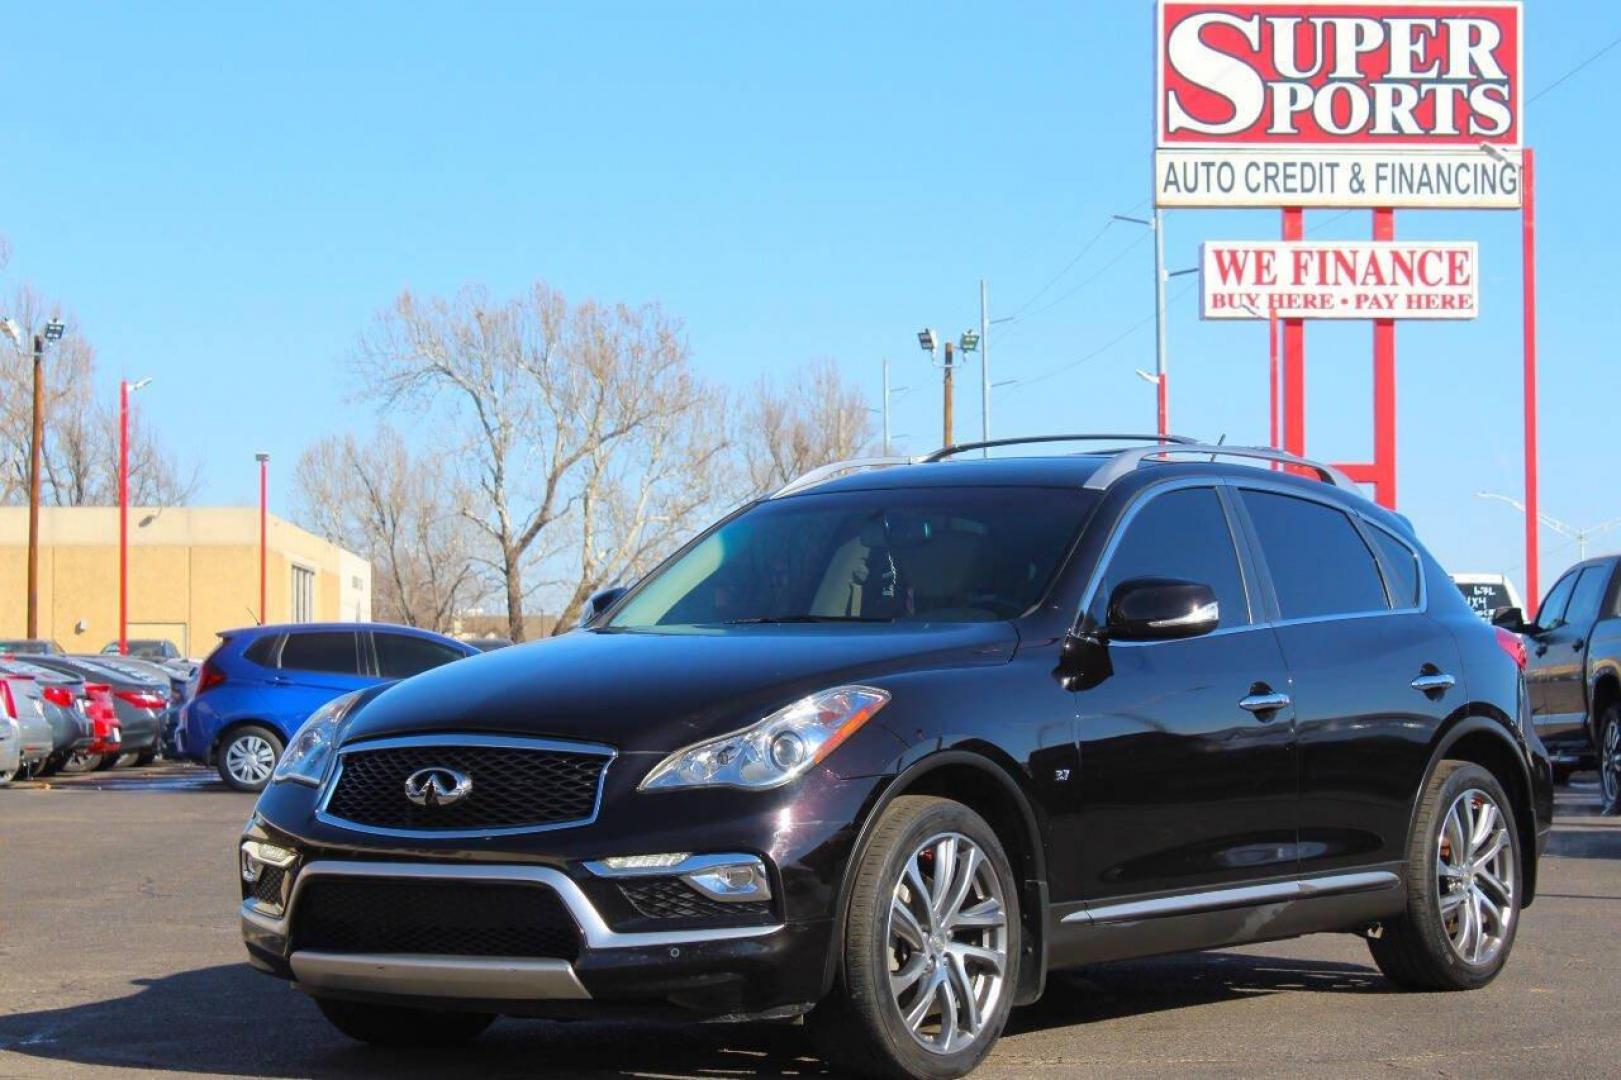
x: 437, y: 786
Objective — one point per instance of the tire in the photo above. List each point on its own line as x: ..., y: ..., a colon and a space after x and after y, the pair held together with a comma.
x: 861, y: 1025
x: 108, y: 762
x: 394, y: 1025
x: 81, y: 762
x: 1428, y: 948
x: 1609, y: 759
x: 146, y: 757
x: 242, y: 761
x: 51, y: 765
x: 1562, y: 774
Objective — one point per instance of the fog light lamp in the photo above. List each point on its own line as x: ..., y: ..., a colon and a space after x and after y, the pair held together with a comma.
x: 740, y: 882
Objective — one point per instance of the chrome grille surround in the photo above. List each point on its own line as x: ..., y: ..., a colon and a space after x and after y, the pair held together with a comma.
x: 465, y: 742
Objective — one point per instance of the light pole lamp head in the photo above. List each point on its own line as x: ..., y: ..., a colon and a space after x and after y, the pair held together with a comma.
x: 925, y: 340
x: 10, y: 328
x: 54, y: 330
x: 969, y: 342
x: 261, y: 457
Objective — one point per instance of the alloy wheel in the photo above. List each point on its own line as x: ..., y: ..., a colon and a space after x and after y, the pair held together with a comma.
x: 1610, y: 763
x: 948, y: 943
x: 250, y: 759
x: 1475, y: 877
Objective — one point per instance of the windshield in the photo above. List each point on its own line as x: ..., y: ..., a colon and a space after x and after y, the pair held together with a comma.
x: 932, y: 554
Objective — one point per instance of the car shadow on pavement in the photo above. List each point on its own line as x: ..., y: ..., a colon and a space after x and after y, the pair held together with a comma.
x: 231, y: 1020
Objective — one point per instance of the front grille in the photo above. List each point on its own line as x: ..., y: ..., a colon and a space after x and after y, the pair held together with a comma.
x: 513, y: 787
x: 672, y: 898
x: 267, y: 888
x: 432, y: 918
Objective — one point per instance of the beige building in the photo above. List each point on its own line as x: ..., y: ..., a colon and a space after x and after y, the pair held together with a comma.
x: 192, y: 573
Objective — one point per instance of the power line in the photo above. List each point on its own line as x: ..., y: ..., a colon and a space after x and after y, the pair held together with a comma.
x: 1088, y: 246
x: 1100, y: 350
x: 1551, y: 87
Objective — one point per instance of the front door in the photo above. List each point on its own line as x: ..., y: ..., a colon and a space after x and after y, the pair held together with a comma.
x: 1556, y: 661
x: 1187, y: 785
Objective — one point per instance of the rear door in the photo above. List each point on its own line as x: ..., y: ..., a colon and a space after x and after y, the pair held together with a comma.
x: 312, y: 668
x: 1373, y: 675
x: 400, y: 656
x: 1184, y: 788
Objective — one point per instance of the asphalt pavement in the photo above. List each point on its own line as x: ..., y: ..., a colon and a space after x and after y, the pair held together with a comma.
x: 120, y: 956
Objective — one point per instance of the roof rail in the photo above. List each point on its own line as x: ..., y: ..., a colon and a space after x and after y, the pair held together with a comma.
x: 1127, y: 462
x: 839, y: 468
x: 950, y: 451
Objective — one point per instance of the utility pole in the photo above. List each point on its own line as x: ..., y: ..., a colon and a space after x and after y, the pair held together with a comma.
x: 984, y: 370
x: 886, y: 406
x: 33, y: 485
x: 948, y: 393
x: 1164, y: 393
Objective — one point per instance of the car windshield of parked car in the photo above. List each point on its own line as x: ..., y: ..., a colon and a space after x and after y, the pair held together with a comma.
x: 948, y: 554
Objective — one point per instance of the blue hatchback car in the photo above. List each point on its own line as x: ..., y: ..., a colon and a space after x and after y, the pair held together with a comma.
x: 262, y: 682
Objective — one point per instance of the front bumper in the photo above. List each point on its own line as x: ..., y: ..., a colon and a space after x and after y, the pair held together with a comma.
x: 769, y: 960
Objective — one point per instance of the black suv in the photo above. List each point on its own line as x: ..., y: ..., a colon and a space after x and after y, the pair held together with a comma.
x: 886, y: 748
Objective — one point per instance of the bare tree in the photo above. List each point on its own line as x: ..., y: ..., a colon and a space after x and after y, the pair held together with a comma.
x: 404, y: 513
x: 784, y: 431
x: 80, y: 455
x: 587, y: 415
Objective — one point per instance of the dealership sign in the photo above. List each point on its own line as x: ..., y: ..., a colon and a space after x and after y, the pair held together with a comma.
x: 1340, y: 280
x: 1352, y: 103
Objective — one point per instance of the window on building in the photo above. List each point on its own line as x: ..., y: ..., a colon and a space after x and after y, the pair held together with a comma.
x: 303, y: 594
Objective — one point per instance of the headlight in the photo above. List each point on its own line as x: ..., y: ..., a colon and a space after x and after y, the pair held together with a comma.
x: 307, y: 757
x: 775, y: 750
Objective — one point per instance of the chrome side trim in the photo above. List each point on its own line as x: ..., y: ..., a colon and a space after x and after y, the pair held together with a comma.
x: 597, y: 933
x: 482, y: 978
x: 499, y: 742
x: 1240, y: 896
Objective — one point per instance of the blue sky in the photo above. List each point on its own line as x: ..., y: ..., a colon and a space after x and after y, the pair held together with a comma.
x: 225, y: 194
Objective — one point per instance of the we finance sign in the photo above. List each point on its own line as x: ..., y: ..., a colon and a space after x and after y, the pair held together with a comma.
x: 1341, y: 280
x: 1364, y: 104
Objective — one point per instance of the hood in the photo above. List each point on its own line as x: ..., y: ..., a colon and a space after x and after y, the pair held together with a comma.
x: 660, y: 691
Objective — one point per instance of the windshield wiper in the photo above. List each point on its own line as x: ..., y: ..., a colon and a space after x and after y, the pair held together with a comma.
x: 774, y: 619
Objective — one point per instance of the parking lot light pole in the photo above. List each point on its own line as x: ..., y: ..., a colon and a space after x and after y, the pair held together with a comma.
x: 125, y: 389
x: 53, y: 332
x: 264, y: 501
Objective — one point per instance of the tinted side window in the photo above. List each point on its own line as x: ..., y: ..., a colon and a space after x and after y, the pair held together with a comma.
x: 1402, y: 567
x: 321, y: 650
x: 399, y: 656
x: 1180, y: 534
x: 1552, y: 611
x: 1319, y: 562
x: 1588, y: 595
x: 262, y: 651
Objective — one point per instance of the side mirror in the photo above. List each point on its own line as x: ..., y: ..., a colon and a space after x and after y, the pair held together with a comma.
x: 1161, y: 609
x: 600, y: 601
x: 1511, y: 618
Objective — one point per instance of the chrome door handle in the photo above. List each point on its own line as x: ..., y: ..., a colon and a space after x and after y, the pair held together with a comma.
x: 1434, y: 683
x: 1264, y: 703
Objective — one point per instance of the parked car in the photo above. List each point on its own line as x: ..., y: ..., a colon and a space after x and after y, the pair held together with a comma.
x: 31, y: 646
x: 1574, y: 671
x: 488, y: 644
x: 163, y: 674
x: 62, y: 700
x: 139, y: 702
x: 261, y: 683
x: 890, y: 746
x: 144, y: 648
x: 1487, y: 593
x: 11, y: 749
x: 20, y: 701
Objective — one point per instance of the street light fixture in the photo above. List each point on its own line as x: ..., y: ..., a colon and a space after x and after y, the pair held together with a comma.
x: 54, y: 330
x: 1548, y: 521
x: 1163, y: 403
x: 969, y: 342
x: 925, y: 339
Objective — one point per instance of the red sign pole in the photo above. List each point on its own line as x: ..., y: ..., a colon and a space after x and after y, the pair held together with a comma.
x: 1528, y: 218
x: 1384, y: 386
x: 1294, y: 354
x: 123, y: 517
